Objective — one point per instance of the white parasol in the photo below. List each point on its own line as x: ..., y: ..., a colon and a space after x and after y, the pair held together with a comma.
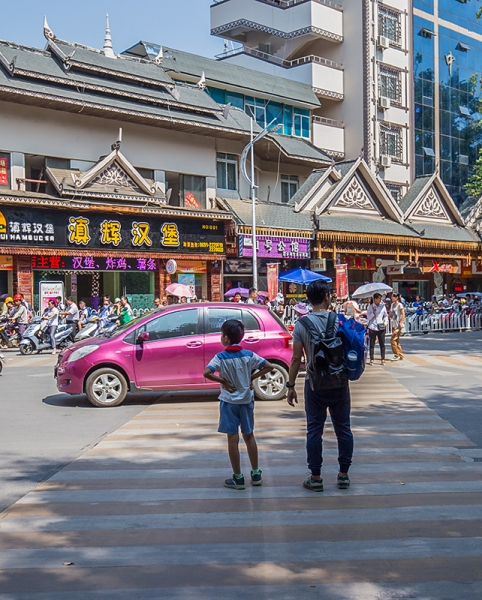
x: 367, y: 290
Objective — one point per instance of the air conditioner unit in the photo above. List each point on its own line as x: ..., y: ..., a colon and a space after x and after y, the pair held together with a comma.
x: 385, y: 161
x: 383, y: 42
x: 383, y: 102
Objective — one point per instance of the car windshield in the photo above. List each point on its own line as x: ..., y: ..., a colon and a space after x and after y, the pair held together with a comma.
x: 121, y: 329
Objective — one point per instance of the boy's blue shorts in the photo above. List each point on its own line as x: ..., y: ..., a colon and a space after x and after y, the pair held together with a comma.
x: 234, y: 416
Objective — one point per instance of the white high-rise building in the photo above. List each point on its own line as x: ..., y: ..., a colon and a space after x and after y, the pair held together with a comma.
x: 355, y: 54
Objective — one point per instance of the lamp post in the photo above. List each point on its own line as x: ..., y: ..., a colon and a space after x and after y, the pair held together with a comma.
x: 250, y: 179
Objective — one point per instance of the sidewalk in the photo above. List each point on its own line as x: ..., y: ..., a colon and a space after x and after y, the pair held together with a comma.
x: 144, y: 515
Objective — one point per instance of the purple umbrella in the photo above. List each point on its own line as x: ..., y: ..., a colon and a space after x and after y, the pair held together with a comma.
x: 3, y: 296
x: 239, y: 290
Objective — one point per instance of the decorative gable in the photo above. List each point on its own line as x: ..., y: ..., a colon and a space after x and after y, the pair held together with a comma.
x: 114, y: 175
x: 355, y: 198
x: 431, y: 207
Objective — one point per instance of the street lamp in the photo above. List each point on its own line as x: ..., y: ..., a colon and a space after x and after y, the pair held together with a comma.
x: 253, y: 186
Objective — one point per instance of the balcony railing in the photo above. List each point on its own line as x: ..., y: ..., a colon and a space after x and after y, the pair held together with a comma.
x: 326, y: 121
x: 310, y: 58
x: 290, y: 3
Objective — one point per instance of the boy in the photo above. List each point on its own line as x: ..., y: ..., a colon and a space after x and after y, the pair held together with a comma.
x: 236, y: 373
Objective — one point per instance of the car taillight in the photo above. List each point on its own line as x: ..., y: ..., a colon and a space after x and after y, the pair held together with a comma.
x: 288, y: 338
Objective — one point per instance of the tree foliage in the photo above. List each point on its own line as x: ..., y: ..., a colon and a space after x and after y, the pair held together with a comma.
x: 473, y: 187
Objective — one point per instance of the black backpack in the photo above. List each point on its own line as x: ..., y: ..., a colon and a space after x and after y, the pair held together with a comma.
x: 327, y: 369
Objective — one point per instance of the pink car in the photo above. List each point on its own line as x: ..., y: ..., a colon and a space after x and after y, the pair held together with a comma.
x: 168, y: 349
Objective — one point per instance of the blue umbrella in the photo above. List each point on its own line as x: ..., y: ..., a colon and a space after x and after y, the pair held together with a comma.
x: 302, y: 276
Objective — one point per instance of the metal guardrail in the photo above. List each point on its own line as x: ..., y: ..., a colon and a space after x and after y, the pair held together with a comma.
x: 282, y: 62
x: 326, y: 121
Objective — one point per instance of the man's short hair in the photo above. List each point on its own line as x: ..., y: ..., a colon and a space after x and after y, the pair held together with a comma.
x: 252, y: 290
x: 317, y: 291
x: 70, y: 298
x: 233, y: 330
x: 376, y: 295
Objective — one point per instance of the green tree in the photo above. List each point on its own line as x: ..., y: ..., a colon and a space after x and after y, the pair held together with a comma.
x: 473, y: 187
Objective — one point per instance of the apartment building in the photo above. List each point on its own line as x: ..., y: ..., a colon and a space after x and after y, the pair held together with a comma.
x: 356, y: 56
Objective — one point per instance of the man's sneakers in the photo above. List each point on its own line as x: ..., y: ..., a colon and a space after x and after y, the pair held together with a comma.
x: 256, y: 477
x: 315, y: 485
x: 343, y: 482
x: 236, y: 482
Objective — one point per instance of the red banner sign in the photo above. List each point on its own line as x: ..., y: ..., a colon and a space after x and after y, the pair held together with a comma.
x: 341, y: 281
x: 272, y: 278
x: 3, y: 170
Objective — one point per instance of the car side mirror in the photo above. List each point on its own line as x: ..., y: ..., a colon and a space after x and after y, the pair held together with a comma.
x: 143, y: 337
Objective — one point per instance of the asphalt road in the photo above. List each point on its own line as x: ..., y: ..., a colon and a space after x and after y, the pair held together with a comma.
x: 42, y: 430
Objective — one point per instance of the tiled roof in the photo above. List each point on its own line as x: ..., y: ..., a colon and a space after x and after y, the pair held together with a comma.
x: 357, y: 223
x: 299, y: 148
x: 221, y: 74
x: 268, y: 214
x: 413, y: 192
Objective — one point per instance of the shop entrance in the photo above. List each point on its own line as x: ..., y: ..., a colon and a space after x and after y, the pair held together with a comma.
x: 409, y: 289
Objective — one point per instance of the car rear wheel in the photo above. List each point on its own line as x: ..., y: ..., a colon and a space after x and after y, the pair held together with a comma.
x: 271, y: 386
x: 106, y: 387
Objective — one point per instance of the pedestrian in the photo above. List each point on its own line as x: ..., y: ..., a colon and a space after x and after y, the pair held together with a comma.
x: 377, y: 316
x: 237, y: 298
x: 317, y: 403
x: 252, y: 296
x: 51, y: 315
x: 157, y: 303
x: 183, y: 299
x: 352, y: 309
x: 71, y: 313
x: 237, y: 369
x: 126, y: 314
x: 397, y: 317
x: 19, y: 314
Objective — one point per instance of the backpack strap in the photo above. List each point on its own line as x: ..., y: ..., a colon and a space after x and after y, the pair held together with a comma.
x: 314, y: 331
x: 330, y: 325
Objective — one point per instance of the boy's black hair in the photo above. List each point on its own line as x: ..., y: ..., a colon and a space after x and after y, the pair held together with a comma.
x: 251, y: 290
x: 376, y: 295
x: 233, y: 330
x: 317, y: 291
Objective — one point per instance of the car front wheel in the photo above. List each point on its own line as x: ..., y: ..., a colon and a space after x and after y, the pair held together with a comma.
x: 271, y: 386
x: 106, y: 387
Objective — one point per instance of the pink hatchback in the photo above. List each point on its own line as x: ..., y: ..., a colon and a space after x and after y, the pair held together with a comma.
x: 168, y: 349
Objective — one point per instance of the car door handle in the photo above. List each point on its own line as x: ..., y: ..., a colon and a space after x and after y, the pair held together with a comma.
x: 251, y: 339
x: 194, y: 344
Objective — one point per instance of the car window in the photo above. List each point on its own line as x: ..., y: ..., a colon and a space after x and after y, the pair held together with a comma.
x: 181, y: 323
x: 217, y: 316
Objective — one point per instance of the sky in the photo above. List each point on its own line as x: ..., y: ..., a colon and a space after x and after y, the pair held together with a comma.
x: 179, y: 24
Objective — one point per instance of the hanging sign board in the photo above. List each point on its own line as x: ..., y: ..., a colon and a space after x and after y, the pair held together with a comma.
x: 272, y: 277
x: 341, y: 281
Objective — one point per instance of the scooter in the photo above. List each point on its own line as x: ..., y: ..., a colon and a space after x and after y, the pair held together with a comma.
x: 34, y: 339
x: 108, y: 328
x: 2, y: 360
x: 89, y: 329
x: 9, y: 336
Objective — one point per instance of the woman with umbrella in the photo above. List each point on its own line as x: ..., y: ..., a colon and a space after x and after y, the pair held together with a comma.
x: 377, y: 316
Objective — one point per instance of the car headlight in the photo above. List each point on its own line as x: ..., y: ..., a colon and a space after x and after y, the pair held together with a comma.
x: 82, y: 352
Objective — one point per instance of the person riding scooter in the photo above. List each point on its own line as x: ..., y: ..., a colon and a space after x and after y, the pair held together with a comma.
x: 51, y: 318
x: 20, y: 315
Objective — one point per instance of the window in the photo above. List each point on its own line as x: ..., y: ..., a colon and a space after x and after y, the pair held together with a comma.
x: 193, y: 191
x: 395, y: 191
x: 390, y: 84
x: 4, y: 170
x: 289, y: 187
x: 217, y: 316
x: 256, y: 108
x: 182, y: 323
x: 301, y: 122
x: 389, y: 24
x: 227, y: 171
x: 391, y: 141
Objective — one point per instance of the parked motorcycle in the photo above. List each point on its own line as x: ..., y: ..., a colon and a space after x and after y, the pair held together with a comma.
x: 9, y: 336
x: 90, y: 328
x: 35, y: 338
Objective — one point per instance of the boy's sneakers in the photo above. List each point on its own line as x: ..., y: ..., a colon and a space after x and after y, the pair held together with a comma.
x: 256, y: 477
x: 343, y: 482
x: 235, y: 483
x: 315, y: 485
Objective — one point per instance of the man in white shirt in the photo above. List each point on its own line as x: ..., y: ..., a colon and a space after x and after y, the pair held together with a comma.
x: 252, y: 297
x: 71, y: 313
x: 397, y: 317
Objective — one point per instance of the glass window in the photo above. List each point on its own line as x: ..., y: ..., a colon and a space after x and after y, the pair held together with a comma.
x: 217, y: 95
x: 4, y: 170
x: 227, y: 171
x: 236, y: 100
x: 288, y: 120
x: 257, y: 109
x: 274, y: 112
x: 217, y: 316
x: 391, y: 141
x: 193, y: 191
x: 390, y: 84
x: 301, y: 120
x: 182, y: 323
x: 389, y: 24
x: 289, y: 187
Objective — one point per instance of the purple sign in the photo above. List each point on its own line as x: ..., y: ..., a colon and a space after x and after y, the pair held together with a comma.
x: 269, y: 246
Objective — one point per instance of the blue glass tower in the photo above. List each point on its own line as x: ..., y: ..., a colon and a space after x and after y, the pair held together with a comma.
x: 447, y: 57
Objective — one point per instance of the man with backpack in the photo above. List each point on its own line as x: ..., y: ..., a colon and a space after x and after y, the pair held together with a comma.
x: 326, y: 385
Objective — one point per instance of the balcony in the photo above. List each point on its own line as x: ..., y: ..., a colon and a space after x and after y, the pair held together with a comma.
x: 287, y: 19
x: 329, y: 135
x: 323, y: 75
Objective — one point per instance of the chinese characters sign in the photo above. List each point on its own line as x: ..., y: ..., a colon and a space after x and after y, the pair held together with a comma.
x: 275, y: 247
x: 62, y: 229
x: 341, y: 281
x: 3, y: 170
x: 94, y: 263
